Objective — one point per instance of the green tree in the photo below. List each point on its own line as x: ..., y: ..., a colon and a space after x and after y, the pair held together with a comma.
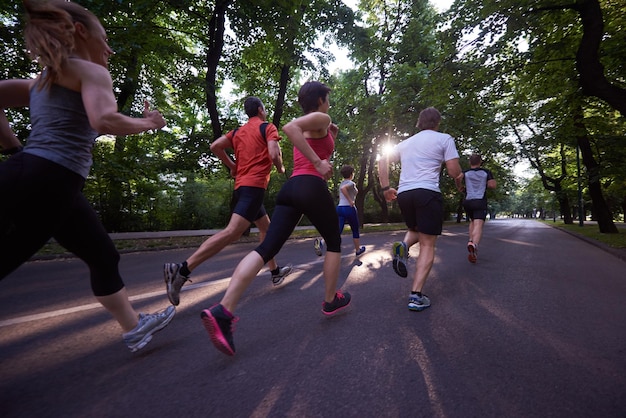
x: 532, y: 52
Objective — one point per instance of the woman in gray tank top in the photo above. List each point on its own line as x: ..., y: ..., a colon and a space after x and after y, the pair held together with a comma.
x: 71, y: 102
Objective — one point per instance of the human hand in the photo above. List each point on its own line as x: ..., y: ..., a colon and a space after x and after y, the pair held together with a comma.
x: 390, y: 194
x: 325, y: 169
x: 333, y: 129
x: 153, y: 115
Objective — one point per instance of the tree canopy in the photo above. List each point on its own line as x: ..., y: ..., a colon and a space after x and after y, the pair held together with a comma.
x: 539, y: 81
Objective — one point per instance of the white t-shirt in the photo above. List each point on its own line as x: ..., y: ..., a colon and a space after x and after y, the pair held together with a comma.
x: 421, y: 157
x: 352, y: 191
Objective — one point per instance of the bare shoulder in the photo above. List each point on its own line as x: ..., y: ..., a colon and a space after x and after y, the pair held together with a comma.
x: 87, y: 72
x: 320, y: 117
x: 313, y: 125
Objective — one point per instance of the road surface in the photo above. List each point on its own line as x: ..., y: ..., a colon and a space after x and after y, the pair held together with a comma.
x: 536, y: 328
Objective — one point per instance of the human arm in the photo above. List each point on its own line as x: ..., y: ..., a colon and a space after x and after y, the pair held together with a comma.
x: 491, y: 184
x: 219, y: 147
x: 101, y: 106
x: 276, y: 155
x: 13, y: 93
x: 383, y: 175
x: 345, y: 190
x: 315, y: 123
x: 9, y: 143
x: 334, y: 130
x: 454, y: 170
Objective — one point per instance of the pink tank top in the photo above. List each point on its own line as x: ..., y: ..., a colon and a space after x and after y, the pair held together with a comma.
x: 323, y: 147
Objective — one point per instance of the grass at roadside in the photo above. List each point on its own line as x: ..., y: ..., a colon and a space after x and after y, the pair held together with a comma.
x: 593, y: 232
x: 54, y: 250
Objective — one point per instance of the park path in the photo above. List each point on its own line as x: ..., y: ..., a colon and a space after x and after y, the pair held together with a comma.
x: 536, y: 328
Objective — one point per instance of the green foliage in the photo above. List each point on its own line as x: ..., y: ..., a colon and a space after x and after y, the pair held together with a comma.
x: 503, y: 74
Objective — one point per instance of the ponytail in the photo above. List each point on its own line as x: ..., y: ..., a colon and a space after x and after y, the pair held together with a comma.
x: 49, y: 34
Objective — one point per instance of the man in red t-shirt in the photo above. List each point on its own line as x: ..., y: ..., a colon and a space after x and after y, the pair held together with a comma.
x: 256, y: 149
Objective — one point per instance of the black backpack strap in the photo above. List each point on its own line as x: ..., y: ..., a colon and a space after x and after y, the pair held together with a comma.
x: 263, y: 128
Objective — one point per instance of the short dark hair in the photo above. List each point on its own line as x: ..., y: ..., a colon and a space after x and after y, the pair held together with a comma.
x: 346, y: 171
x: 475, y: 159
x: 309, y: 94
x: 251, y: 106
x: 429, y: 118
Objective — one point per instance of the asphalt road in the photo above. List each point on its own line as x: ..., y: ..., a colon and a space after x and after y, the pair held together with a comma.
x: 536, y: 328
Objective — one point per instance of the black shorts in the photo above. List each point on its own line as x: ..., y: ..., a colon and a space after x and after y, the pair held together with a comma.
x: 422, y: 210
x: 249, y: 202
x: 476, y: 208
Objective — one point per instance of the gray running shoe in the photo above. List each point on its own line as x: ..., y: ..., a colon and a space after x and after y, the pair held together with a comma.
x: 318, y: 246
x: 280, y: 276
x: 173, y: 281
x: 418, y: 303
x: 400, y: 253
x: 141, y: 335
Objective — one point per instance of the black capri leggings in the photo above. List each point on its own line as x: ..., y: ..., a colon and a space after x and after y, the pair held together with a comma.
x: 302, y: 195
x: 43, y: 200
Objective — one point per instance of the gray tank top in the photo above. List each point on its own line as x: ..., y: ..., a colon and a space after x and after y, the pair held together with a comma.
x: 60, y: 129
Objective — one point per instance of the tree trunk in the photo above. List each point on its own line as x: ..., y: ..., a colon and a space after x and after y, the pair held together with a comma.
x: 564, y: 208
x: 214, y: 53
x: 282, y: 92
x: 592, y: 79
x: 601, y: 210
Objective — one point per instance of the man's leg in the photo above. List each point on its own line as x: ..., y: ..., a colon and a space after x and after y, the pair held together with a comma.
x: 216, y: 243
x: 417, y: 300
x: 424, y: 260
x: 411, y: 238
x: 175, y: 275
x: 477, y: 231
x: 278, y: 273
x: 263, y: 223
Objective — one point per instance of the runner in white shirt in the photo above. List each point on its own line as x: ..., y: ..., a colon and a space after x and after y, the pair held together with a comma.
x: 419, y: 197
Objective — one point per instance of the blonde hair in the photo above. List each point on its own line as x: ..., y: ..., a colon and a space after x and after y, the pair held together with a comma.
x: 50, y: 33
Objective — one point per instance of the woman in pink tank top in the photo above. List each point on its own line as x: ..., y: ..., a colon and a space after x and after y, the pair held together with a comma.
x: 304, y: 194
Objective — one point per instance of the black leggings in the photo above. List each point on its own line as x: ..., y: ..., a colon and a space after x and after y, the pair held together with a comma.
x: 302, y: 195
x: 43, y: 200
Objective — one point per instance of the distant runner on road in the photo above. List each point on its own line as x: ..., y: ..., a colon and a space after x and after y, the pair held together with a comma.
x: 477, y: 181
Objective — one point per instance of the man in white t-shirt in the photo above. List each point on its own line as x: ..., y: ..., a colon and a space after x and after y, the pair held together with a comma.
x: 419, y: 197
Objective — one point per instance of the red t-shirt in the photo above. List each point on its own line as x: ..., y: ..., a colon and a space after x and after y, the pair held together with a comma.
x: 323, y: 147
x: 251, y: 155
